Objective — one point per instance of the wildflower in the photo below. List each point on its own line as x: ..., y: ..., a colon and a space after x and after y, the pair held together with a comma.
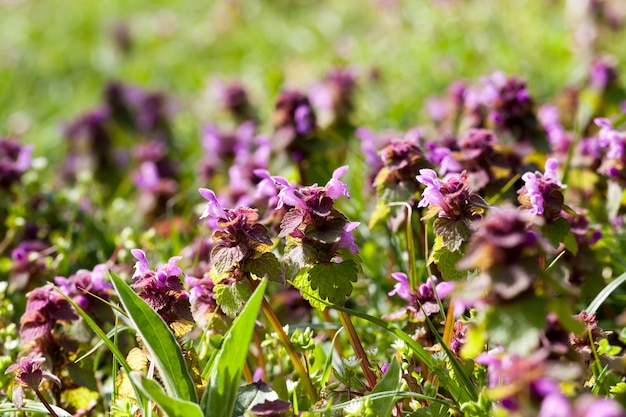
x: 233, y: 97
x: 505, y: 249
x: 581, y: 343
x: 603, y: 72
x: 44, y: 308
x: 333, y: 97
x: 30, y: 373
x: 293, y: 112
x: 15, y: 159
x: 424, y: 301
x: 450, y: 198
x: 202, y: 299
x: 162, y: 288
x: 84, y: 285
x: 541, y: 192
x: 560, y: 139
x: 402, y: 161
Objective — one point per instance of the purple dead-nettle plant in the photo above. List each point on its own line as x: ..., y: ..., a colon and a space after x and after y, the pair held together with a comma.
x: 202, y: 299
x: 162, y: 288
x: 541, y: 193
x: 233, y: 97
x: 293, y: 115
x: 15, y: 159
x: 454, y: 204
x: 333, y: 97
x: 402, y: 162
x: 241, y: 244
x: 30, y: 264
x: 45, y: 307
x: 423, y: 302
x: 221, y: 148
x: 613, y: 143
x: 85, y: 287
x: 506, y: 250
x: 30, y: 375
x: 560, y: 139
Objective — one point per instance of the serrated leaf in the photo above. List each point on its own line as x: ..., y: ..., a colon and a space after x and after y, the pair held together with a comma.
x: 265, y: 266
x: 231, y: 298
x: 390, y: 382
x: 447, y: 261
x: 302, y: 282
x: 227, y: 365
x: 172, y: 407
x: 158, y: 339
x: 517, y: 325
x: 556, y: 231
x: 290, y: 222
x: 333, y: 281
x: 453, y: 233
x: 224, y: 258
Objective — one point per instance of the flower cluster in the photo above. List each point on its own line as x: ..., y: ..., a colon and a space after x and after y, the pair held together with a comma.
x: 613, y: 143
x: 162, y: 288
x: 15, y: 159
x: 86, y: 287
x: 541, y: 193
x: 333, y: 97
x: 424, y: 301
x: 44, y: 308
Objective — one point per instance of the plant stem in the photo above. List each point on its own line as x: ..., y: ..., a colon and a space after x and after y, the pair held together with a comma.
x: 332, y: 332
x: 284, y: 339
x: 355, y: 342
x: 45, y: 403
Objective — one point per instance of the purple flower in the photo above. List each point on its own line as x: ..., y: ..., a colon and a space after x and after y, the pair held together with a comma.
x: 233, y: 98
x: 162, y: 289
x: 450, y: 198
x: 555, y: 405
x: 15, y: 159
x: 44, y: 308
x: 402, y: 287
x: 30, y: 373
x: 541, y: 192
x: 201, y: 298
x: 559, y: 138
x: 603, y: 72
x: 213, y: 208
x: 84, y: 285
x: 336, y: 188
x: 293, y: 112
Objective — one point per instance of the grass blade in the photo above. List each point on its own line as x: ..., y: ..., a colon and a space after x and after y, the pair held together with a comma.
x: 112, y: 346
x: 604, y: 294
x: 32, y: 407
x: 160, y: 342
x: 172, y: 407
x: 226, y: 368
x: 390, y: 382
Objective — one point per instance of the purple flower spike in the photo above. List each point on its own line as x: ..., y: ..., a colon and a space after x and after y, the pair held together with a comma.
x: 402, y: 287
x: 142, y: 266
x: 213, y: 208
x: 336, y: 188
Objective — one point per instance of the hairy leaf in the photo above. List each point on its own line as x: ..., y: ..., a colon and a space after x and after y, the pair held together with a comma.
x: 447, y: 261
x: 556, y: 231
x: 231, y: 298
x: 291, y: 220
x: 453, y: 233
x: 265, y: 266
x: 333, y: 281
x: 224, y: 258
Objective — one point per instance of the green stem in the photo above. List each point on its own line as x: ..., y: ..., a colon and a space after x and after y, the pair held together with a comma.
x: 355, y: 342
x: 284, y: 339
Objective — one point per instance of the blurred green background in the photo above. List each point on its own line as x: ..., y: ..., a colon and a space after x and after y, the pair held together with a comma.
x: 56, y: 56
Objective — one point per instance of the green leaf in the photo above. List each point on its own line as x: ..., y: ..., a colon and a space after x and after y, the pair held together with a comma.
x: 333, y: 281
x: 517, y: 325
x: 32, y: 407
x: 227, y: 366
x: 563, y: 311
x: 265, y: 266
x: 556, y: 231
x: 231, y: 298
x: 453, y: 233
x: 302, y: 282
x: 252, y: 394
x: 570, y: 243
x: 447, y: 261
x: 112, y: 346
x: 172, y: 407
x: 224, y: 258
x: 389, y: 382
x: 380, y: 213
x: 159, y: 340
x: 604, y: 294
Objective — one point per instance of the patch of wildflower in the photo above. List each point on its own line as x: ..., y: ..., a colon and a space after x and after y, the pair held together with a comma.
x: 15, y: 159
x: 541, y: 193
